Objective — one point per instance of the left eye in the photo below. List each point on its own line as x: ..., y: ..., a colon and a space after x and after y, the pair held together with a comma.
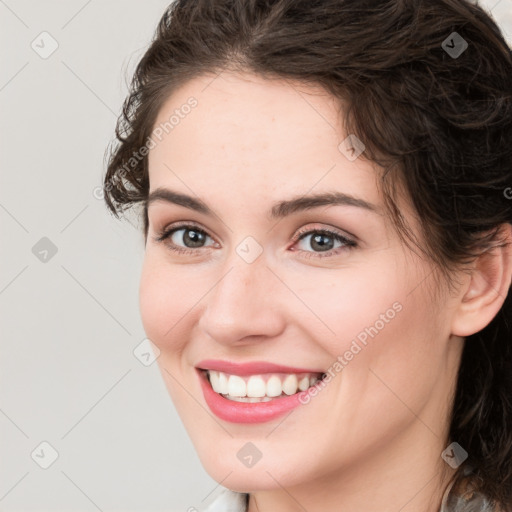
x: 320, y: 239
x: 194, y: 238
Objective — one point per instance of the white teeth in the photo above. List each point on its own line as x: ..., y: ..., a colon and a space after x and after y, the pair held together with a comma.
x: 290, y: 384
x: 274, y: 387
x: 256, y: 387
x: 303, y: 383
x: 259, y: 388
x: 214, y: 381
x: 248, y: 399
x: 223, y: 383
x: 236, y: 386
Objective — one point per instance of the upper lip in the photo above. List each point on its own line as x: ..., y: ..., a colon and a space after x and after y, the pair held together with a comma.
x: 250, y: 368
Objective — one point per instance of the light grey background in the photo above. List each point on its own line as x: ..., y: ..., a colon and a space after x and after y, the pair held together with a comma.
x: 70, y: 324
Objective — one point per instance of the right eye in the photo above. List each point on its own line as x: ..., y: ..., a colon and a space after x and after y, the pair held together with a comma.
x: 190, y: 234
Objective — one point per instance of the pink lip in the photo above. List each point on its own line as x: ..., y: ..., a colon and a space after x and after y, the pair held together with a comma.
x: 253, y: 368
x: 240, y: 412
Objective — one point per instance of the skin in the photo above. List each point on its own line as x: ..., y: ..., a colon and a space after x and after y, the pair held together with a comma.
x: 372, y: 439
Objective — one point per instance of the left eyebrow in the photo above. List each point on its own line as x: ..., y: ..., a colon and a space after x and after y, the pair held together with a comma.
x: 300, y: 203
x: 279, y: 210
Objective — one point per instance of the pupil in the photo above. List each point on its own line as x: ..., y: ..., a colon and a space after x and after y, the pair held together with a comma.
x: 320, y: 241
x: 195, y: 239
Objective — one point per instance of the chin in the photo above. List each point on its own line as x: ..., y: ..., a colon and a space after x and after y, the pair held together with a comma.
x: 248, y: 480
x: 263, y: 475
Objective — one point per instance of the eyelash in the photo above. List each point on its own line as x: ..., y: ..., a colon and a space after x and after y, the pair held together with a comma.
x: 348, y: 244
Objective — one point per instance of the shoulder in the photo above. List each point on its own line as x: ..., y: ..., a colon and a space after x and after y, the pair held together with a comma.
x: 228, y: 501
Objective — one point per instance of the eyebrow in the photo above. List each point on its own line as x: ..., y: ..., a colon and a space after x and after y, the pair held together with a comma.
x: 279, y: 210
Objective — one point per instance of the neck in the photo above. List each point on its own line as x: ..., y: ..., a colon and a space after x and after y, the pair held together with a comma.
x: 398, y: 478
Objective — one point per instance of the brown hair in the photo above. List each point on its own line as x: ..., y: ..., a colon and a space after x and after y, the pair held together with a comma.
x: 439, y: 124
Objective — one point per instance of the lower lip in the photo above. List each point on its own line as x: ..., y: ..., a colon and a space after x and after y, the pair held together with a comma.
x: 245, y: 412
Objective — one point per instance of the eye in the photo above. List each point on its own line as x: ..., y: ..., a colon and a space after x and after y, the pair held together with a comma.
x: 194, y: 238
x: 321, y: 239
x: 190, y: 235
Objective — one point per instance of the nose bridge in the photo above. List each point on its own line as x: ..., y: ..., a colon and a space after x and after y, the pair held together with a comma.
x: 242, y: 302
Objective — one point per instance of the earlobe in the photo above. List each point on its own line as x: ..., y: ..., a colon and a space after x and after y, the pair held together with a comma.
x: 488, y: 286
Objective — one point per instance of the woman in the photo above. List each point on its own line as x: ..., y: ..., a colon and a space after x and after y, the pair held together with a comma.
x: 326, y: 193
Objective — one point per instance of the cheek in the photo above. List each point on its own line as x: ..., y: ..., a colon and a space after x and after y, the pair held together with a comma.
x: 162, y: 303
x: 358, y: 307
x: 396, y: 361
x: 163, y: 309
x: 385, y: 335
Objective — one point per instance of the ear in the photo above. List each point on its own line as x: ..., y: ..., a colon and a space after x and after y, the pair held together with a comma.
x: 486, y: 288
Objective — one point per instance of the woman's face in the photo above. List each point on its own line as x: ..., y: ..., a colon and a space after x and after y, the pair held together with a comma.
x: 261, y: 283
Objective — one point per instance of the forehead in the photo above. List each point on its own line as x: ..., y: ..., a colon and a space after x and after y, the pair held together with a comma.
x: 254, y: 136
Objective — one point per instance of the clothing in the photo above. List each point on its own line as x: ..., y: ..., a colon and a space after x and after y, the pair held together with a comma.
x: 229, y: 501
x: 461, y: 499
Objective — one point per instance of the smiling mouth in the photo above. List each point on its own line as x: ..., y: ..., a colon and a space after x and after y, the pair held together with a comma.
x: 261, y: 387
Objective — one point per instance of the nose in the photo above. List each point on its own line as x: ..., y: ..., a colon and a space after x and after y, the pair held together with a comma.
x: 243, y: 305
